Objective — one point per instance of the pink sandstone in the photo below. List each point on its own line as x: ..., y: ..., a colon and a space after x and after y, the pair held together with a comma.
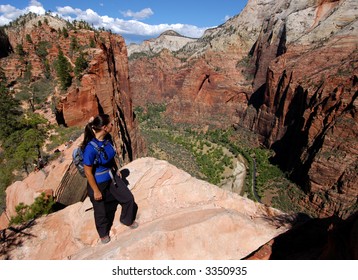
x: 180, y: 217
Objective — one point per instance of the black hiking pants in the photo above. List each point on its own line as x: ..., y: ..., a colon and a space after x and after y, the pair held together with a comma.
x: 105, y: 209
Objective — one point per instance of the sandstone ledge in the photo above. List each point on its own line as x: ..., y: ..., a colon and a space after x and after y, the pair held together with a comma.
x: 180, y: 217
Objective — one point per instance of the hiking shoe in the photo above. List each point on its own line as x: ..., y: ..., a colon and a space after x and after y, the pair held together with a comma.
x: 134, y: 225
x: 105, y: 239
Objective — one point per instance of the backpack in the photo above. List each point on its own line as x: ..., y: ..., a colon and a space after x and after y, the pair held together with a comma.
x: 77, y: 157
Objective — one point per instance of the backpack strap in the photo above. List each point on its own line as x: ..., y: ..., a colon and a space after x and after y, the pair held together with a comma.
x: 98, y: 149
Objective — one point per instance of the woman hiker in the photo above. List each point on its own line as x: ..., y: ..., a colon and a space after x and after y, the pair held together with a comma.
x: 105, y: 188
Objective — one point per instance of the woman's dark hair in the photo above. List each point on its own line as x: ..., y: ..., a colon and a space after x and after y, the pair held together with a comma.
x: 96, y: 124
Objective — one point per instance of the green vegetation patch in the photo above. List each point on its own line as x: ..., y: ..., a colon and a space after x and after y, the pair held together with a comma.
x: 208, y: 154
x: 186, y: 148
x: 42, y: 206
x: 62, y: 134
x: 24, y: 133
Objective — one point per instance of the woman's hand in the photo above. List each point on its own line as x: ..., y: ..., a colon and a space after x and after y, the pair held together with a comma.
x: 97, y: 195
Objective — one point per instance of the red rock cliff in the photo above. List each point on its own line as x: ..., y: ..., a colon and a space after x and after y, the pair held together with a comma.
x: 103, y: 87
x: 305, y: 91
x: 284, y: 69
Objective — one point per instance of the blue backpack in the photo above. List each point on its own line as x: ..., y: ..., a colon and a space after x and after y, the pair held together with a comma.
x: 77, y: 157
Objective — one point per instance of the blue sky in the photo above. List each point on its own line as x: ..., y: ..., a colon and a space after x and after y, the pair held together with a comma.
x: 135, y: 20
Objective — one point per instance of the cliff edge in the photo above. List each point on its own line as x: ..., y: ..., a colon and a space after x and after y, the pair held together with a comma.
x: 180, y: 217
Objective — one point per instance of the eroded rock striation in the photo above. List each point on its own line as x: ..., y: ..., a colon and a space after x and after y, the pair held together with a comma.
x: 284, y: 69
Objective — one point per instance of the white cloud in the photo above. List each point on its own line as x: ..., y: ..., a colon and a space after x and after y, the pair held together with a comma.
x: 139, y: 28
x: 7, y: 9
x: 35, y: 7
x: 91, y: 16
x: 9, y: 13
x: 67, y: 10
x: 117, y: 25
x: 143, y: 14
x: 123, y: 27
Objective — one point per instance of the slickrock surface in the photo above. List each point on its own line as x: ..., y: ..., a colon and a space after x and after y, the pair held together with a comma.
x: 180, y: 217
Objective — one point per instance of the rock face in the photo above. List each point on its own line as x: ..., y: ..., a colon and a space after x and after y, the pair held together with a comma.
x: 305, y: 91
x: 48, y: 180
x: 103, y: 87
x: 170, y: 40
x: 325, y: 239
x: 180, y: 217
x: 284, y: 69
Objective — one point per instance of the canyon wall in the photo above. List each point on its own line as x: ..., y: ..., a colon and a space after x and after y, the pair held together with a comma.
x: 284, y: 69
x: 103, y: 87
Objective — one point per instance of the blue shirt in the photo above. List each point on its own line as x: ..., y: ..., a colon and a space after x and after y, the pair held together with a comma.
x: 103, y: 163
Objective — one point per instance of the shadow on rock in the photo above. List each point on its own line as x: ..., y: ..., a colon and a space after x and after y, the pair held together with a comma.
x: 13, y: 237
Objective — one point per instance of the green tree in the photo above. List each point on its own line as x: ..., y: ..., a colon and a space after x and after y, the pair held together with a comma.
x: 92, y: 43
x: 23, y: 145
x: 35, y: 93
x: 6, y: 177
x: 28, y: 71
x: 41, y: 49
x: 65, y: 32
x: 9, y: 110
x: 28, y: 38
x: 27, y: 94
x: 47, y: 71
x: 3, y: 81
x: 63, y: 69
x: 80, y: 65
x: 74, y: 45
x: 20, y: 50
x: 41, y: 206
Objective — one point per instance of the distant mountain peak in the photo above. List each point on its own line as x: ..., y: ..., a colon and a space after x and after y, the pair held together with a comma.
x: 171, y: 33
x: 169, y: 39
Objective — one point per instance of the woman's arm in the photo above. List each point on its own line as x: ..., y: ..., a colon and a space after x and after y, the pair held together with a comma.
x: 92, y: 182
